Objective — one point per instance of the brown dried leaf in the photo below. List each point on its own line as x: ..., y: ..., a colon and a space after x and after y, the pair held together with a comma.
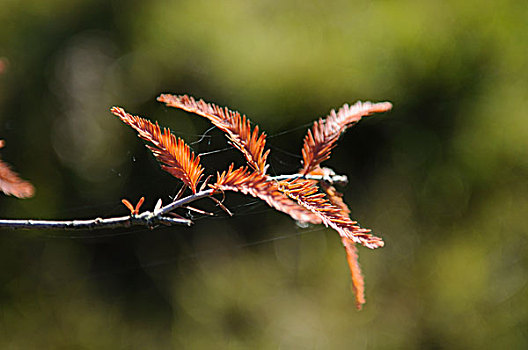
x: 11, y: 183
x: 174, y: 154
x: 322, y: 138
x: 335, y: 197
x: 129, y: 205
x: 237, y: 127
x: 257, y: 185
x: 3, y: 64
x: 358, y: 283
x: 355, y: 271
x: 306, y: 194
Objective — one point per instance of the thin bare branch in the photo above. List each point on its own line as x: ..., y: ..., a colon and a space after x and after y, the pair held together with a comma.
x: 222, y: 206
x: 180, y: 202
x: 341, y: 180
x: 199, y: 211
x: 144, y: 219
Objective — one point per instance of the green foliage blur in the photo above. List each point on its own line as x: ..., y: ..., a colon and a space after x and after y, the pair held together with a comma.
x: 442, y: 178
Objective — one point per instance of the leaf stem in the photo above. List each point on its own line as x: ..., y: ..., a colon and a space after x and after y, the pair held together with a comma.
x: 331, y: 179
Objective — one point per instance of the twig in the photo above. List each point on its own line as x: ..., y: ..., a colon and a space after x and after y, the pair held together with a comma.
x: 146, y: 218
x: 331, y: 179
x: 183, y: 201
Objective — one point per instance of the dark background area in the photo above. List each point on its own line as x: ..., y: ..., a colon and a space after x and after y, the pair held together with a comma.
x: 442, y: 177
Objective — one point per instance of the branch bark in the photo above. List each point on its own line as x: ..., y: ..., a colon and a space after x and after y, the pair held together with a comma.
x: 146, y: 218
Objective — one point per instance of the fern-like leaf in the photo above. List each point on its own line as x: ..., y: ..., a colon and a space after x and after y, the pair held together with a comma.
x: 11, y: 183
x: 237, y: 127
x: 256, y: 184
x: 358, y: 283
x: 173, y: 153
x: 355, y: 271
x: 307, y: 195
x: 322, y: 138
x: 335, y: 197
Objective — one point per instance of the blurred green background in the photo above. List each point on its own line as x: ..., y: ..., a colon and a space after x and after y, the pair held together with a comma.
x: 442, y: 178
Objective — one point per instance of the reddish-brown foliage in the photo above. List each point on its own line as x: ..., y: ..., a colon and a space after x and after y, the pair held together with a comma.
x: 355, y: 271
x: 174, y: 154
x: 3, y: 65
x: 237, y: 127
x: 257, y: 185
x: 322, y: 138
x: 11, y: 184
x: 134, y: 210
x: 304, y: 200
x: 336, y: 199
x: 308, y: 196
